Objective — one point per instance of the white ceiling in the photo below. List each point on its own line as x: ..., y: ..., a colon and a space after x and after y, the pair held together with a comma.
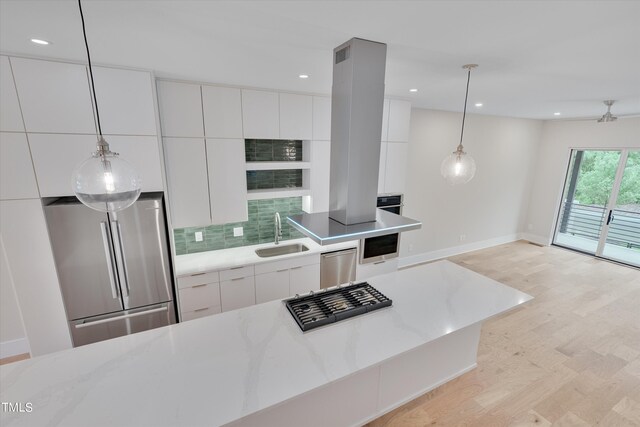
x: 536, y: 57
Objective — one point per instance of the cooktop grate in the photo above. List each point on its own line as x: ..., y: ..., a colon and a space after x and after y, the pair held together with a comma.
x: 334, y: 304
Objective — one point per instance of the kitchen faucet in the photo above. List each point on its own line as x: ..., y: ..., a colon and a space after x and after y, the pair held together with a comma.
x: 278, y: 228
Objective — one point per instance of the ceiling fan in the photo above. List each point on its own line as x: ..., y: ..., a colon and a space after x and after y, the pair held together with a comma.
x: 608, y: 117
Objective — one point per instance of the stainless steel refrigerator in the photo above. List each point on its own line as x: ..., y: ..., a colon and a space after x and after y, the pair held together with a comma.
x: 114, y: 269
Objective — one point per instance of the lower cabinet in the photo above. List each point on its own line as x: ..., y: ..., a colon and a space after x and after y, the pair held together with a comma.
x: 304, y: 279
x: 272, y: 286
x: 237, y: 293
x: 364, y: 271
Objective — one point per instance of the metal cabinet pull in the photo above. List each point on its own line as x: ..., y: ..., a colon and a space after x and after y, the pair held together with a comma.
x: 201, y: 309
x: 238, y: 278
x: 237, y: 268
x: 280, y: 271
x: 197, y: 274
x: 199, y: 286
x: 296, y: 268
x: 109, y: 256
x: 379, y: 262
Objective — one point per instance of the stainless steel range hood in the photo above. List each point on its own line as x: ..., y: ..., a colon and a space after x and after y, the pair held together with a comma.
x: 356, y: 121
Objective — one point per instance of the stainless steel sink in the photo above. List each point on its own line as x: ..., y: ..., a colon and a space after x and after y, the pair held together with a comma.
x: 281, y: 250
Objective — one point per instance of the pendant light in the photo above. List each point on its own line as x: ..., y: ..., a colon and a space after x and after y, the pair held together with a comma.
x: 104, y: 182
x: 459, y: 167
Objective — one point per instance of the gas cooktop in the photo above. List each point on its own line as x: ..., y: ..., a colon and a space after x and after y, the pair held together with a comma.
x: 331, y: 305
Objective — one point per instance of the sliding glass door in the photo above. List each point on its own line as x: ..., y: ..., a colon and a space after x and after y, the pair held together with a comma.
x: 600, y: 210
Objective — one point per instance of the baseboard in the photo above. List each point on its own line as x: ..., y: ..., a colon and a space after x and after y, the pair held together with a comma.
x: 534, y: 238
x: 457, y: 250
x: 14, y: 347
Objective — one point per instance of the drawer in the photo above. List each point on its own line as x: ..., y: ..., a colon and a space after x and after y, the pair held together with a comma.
x: 199, y: 296
x: 201, y: 312
x: 236, y: 272
x: 299, y: 261
x: 198, y: 279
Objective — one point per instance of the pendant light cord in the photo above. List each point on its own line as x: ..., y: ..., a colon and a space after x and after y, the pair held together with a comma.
x: 93, y: 87
x: 464, y: 112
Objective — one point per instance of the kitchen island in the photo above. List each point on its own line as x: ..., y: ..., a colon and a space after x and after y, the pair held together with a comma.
x: 254, y: 366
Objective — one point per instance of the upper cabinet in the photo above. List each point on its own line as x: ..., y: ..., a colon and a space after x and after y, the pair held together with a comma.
x: 17, y: 180
x: 399, y: 121
x: 260, y: 114
x: 54, y: 96
x: 227, y: 180
x: 180, y: 109
x: 321, y: 118
x: 125, y: 101
x: 10, y: 115
x: 296, y: 116
x: 222, y: 107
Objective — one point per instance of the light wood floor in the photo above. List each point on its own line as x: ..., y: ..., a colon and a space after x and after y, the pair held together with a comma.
x: 570, y: 357
x: 15, y: 358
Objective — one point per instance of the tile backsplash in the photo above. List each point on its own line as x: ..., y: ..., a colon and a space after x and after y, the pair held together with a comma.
x: 285, y: 178
x: 272, y: 150
x: 260, y: 228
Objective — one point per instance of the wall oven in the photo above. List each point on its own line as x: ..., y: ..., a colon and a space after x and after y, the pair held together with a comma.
x: 378, y: 249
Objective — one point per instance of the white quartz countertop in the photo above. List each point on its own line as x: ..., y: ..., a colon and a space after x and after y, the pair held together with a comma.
x: 217, y: 369
x: 246, y: 255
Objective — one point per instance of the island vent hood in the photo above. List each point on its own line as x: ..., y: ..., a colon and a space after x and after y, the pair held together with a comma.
x: 356, y: 121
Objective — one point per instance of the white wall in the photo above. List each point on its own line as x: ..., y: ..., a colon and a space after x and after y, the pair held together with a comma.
x: 492, y: 208
x: 557, y: 140
x: 12, y: 336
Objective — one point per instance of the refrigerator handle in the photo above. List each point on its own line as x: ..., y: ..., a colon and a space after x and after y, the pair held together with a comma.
x: 109, y: 256
x: 120, y: 257
x: 126, y: 316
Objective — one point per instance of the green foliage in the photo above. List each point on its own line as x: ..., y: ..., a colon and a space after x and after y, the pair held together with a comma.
x: 597, y: 173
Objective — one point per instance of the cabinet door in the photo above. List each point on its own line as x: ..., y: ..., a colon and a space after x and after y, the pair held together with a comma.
x: 10, y: 115
x: 382, y: 170
x: 125, y: 100
x: 260, y: 114
x: 227, y: 180
x: 237, y: 293
x: 24, y: 236
x: 396, y: 170
x: 180, y: 107
x: 399, y: 120
x: 199, y: 296
x: 385, y: 121
x: 54, y: 96
x: 304, y: 279
x: 272, y: 286
x: 187, y: 181
x: 143, y: 153
x: 17, y: 179
x: 222, y: 108
x: 296, y: 116
x: 321, y: 118
x: 320, y: 165
x: 365, y: 271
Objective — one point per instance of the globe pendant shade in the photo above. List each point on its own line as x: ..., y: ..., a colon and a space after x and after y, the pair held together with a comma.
x: 106, y: 183
x: 458, y: 168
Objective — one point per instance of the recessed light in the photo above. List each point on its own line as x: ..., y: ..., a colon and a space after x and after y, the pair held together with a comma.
x: 557, y: 113
x: 413, y: 90
x: 39, y: 41
x: 304, y: 76
x: 478, y: 104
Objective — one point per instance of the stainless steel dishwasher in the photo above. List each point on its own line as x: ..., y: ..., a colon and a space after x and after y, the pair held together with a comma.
x: 338, y: 267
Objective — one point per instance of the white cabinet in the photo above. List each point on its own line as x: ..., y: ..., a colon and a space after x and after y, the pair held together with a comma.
x: 222, y: 108
x: 199, y: 295
x: 55, y: 157
x: 180, y: 107
x: 385, y: 121
x: 296, y: 116
x: 187, y: 181
x: 237, y: 293
x: 321, y: 118
x: 227, y: 180
x: 396, y: 167
x: 364, y: 271
x: 303, y: 279
x: 260, y: 114
x: 23, y: 234
x: 382, y: 169
x: 272, y: 286
x: 399, y: 120
x: 54, y: 96
x: 125, y: 101
x: 10, y: 115
x: 319, y: 175
x: 17, y: 179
